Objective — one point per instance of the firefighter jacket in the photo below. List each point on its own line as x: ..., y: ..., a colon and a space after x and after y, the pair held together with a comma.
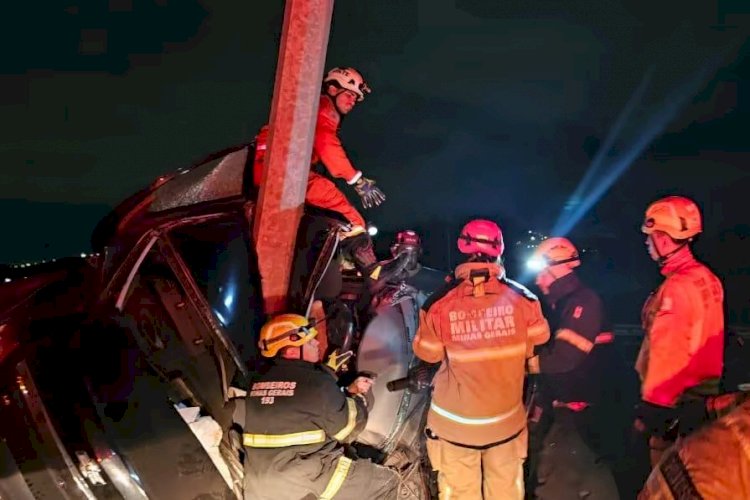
x: 481, y: 328
x: 714, y: 462
x: 574, y: 361
x: 296, y: 418
x: 682, y: 352
x: 327, y: 148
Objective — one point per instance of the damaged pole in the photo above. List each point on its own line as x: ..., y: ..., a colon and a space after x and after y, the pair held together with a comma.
x: 294, y: 110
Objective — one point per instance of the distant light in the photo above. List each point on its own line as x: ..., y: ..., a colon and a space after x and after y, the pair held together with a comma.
x: 536, y: 264
x: 533, y: 238
x: 372, y: 230
x: 8, y: 280
x: 83, y: 255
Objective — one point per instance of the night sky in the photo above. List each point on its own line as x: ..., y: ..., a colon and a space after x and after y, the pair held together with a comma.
x: 479, y: 108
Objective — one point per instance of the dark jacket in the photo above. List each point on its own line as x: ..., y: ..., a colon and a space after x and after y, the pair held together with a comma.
x: 575, y: 361
x: 296, y: 419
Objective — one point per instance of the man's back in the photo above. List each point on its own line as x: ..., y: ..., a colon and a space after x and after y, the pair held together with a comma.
x: 295, y: 416
x: 483, y: 336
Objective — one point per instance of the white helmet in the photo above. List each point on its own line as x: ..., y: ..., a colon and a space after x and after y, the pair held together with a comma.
x: 348, y: 79
x: 553, y: 252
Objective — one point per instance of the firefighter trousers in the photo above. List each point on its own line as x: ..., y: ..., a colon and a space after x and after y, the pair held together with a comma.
x: 494, y: 473
x: 323, y: 193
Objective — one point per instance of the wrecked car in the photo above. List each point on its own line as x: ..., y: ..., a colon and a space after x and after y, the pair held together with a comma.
x: 121, y: 374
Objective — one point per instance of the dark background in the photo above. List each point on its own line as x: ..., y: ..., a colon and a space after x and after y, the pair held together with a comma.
x: 479, y: 108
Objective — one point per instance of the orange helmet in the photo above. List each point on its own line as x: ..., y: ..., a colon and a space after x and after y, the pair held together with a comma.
x: 348, y: 79
x: 285, y: 330
x: 481, y: 236
x: 677, y: 216
x: 555, y: 251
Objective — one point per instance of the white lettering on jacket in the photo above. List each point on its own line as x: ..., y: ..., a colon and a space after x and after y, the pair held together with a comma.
x: 482, y: 323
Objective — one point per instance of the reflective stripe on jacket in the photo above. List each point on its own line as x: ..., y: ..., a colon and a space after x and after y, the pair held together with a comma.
x: 481, y: 328
x: 296, y: 417
x: 684, y: 324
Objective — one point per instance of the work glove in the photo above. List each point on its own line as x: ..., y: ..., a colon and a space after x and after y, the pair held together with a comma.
x: 370, y: 194
x: 420, y: 376
x: 653, y: 419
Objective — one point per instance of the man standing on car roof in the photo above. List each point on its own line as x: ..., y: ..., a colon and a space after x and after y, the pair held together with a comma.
x: 343, y: 89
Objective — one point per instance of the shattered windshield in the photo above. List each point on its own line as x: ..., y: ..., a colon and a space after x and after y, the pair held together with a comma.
x: 213, y: 180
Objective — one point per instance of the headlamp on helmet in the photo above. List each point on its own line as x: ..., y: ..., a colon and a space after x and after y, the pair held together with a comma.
x: 554, y: 252
x: 348, y: 79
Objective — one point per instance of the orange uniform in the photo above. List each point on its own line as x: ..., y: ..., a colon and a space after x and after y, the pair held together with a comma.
x: 327, y: 149
x: 481, y: 333
x: 684, y: 343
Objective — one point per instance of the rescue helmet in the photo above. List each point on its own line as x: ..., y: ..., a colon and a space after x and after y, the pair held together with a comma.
x: 285, y: 330
x: 553, y: 252
x: 348, y: 79
x: 481, y: 237
x: 677, y: 216
x: 406, y: 240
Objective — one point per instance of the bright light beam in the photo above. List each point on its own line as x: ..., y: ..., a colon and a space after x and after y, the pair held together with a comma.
x: 612, y: 136
x: 657, y: 123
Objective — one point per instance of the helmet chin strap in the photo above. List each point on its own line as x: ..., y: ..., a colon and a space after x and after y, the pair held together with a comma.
x: 334, y: 100
x: 662, y: 259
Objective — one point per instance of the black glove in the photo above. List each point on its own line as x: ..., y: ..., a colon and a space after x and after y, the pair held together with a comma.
x: 653, y: 419
x: 420, y: 376
x: 370, y: 194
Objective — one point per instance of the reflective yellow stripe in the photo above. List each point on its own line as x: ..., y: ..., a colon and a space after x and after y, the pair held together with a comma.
x: 575, y: 339
x: 468, y: 356
x: 375, y: 274
x: 283, y: 440
x: 350, y: 422
x: 429, y: 345
x: 337, y: 479
x: 474, y: 421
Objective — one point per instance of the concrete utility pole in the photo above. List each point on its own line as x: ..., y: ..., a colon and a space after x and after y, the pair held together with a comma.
x: 294, y: 110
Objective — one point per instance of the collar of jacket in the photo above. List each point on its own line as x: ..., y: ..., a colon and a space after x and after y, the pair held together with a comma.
x: 301, y: 363
x: 678, y: 261
x: 562, y: 287
x: 463, y: 270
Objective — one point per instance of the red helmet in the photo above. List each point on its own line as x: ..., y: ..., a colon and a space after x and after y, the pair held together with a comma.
x: 406, y: 240
x: 481, y: 236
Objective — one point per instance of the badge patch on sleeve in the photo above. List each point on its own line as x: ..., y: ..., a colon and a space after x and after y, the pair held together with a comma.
x: 578, y: 312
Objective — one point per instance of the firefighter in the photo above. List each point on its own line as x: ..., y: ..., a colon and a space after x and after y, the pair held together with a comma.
x: 481, y: 328
x: 578, y: 366
x: 407, y: 249
x: 681, y: 357
x: 297, y: 419
x: 342, y: 89
x: 714, y: 462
